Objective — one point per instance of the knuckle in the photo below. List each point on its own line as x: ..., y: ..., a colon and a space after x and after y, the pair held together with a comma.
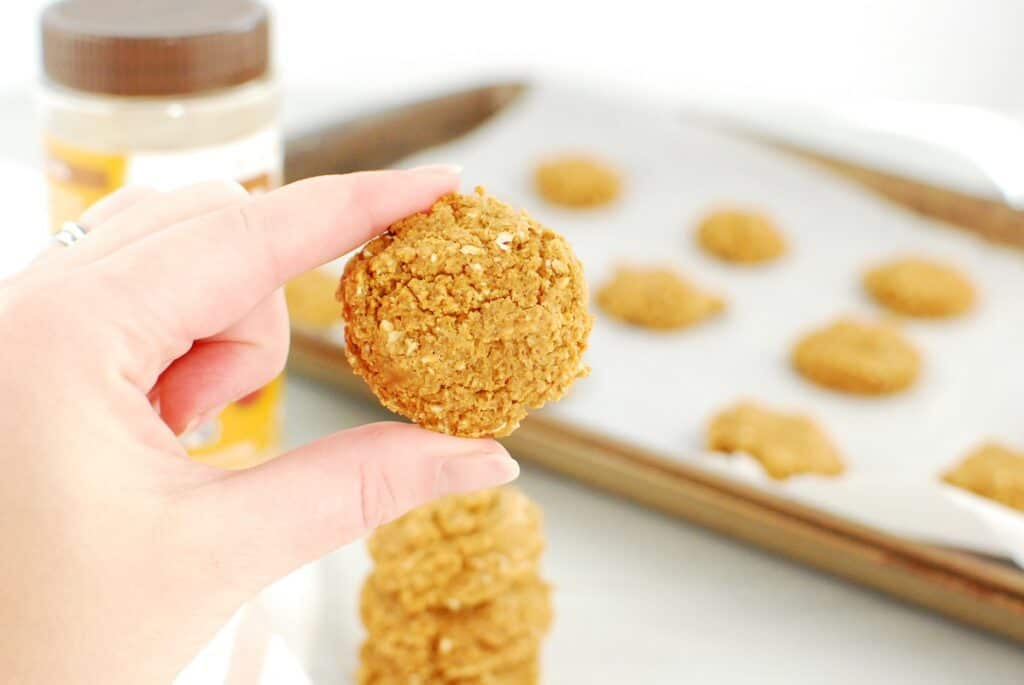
x: 229, y: 190
x: 378, y: 501
x: 250, y: 230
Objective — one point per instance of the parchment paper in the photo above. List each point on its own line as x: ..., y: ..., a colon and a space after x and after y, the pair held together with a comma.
x: 658, y: 390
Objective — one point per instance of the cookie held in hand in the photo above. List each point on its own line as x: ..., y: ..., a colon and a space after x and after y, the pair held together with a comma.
x: 464, y: 317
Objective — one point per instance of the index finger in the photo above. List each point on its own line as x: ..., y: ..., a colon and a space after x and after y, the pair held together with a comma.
x: 204, y: 274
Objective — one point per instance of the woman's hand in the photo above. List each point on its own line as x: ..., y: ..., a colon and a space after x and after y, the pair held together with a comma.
x: 120, y: 557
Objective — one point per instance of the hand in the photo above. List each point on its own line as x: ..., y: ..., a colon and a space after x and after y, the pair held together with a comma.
x: 120, y: 557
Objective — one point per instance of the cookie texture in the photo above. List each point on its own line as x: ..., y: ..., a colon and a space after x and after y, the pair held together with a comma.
x: 656, y: 298
x: 785, y: 444
x: 921, y: 288
x: 741, y: 236
x: 464, y: 317
x: 992, y: 471
x: 577, y: 181
x: 378, y: 669
x: 858, y: 357
x: 455, y: 595
x: 492, y: 637
x: 310, y: 299
x: 459, y: 552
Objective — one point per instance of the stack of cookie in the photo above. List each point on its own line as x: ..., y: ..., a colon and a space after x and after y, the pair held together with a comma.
x: 455, y: 595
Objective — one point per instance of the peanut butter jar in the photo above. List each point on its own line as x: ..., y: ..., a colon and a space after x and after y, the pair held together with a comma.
x: 165, y: 93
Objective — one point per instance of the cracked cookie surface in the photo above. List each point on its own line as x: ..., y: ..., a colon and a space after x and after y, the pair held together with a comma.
x: 378, y: 669
x: 489, y: 638
x: 458, y: 552
x: 577, y: 181
x: 740, y: 236
x: 464, y: 317
x: 656, y: 297
x: 992, y: 471
x: 919, y: 287
x: 784, y: 444
x: 858, y: 357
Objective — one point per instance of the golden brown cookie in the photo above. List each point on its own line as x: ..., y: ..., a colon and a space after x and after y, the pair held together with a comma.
x: 378, y: 669
x: 487, y: 638
x: 311, y: 300
x: 992, y: 471
x: 922, y: 288
x: 577, y: 181
x: 785, y: 444
x: 463, y: 317
x: 741, y: 236
x: 858, y: 357
x: 458, y: 552
x: 656, y: 298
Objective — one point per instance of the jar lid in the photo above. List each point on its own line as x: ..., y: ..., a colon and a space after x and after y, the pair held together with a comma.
x: 155, y: 47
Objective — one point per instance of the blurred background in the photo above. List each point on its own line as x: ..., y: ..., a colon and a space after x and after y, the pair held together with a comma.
x: 965, y: 51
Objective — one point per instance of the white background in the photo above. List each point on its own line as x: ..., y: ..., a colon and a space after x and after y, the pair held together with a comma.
x: 947, y: 50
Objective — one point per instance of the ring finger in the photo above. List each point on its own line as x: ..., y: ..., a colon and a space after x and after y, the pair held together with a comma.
x: 122, y: 219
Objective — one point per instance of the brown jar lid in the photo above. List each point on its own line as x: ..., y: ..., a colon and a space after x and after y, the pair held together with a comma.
x: 155, y: 47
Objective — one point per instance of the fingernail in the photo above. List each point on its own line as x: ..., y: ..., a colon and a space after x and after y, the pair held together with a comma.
x: 438, y: 169
x: 191, y: 426
x: 477, y: 472
x: 211, y: 414
x: 205, y: 416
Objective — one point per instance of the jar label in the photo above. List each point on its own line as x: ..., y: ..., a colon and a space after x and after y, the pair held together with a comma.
x: 248, y: 431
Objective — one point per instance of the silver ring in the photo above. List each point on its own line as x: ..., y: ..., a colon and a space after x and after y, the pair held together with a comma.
x: 70, y: 233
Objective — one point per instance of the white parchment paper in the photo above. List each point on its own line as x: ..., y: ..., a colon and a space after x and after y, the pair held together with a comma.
x: 658, y: 390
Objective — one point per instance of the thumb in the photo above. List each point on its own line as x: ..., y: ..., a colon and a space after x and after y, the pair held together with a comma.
x: 269, y: 520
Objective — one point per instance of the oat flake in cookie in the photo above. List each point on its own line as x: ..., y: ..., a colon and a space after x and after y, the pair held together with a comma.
x: 465, y: 316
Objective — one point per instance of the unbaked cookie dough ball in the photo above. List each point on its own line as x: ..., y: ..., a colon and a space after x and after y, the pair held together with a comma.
x: 741, y: 236
x: 858, y: 357
x: 577, y: 181
x: 919, y: 287
x: 465, y: 316
x: 656, y: 297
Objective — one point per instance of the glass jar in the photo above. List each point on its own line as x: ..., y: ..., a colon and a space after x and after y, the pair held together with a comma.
x: 165, y: 94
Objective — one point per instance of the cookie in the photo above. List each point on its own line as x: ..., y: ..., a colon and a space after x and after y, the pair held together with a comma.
x: 784, y: 444
x: 311, y: 301
x: 577, y: 181
x: 741, y: 237
x: 858, y: 357
x: 455, y: 595
x: 656, y: 298
x: 464, y: 317
x: 487, y: 638
x: 921, y: 288
x: 992, y: 471
x: 458, y: 552
x: 378, y: 669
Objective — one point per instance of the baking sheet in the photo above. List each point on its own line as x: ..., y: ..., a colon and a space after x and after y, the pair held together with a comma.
x: 657, y: 390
